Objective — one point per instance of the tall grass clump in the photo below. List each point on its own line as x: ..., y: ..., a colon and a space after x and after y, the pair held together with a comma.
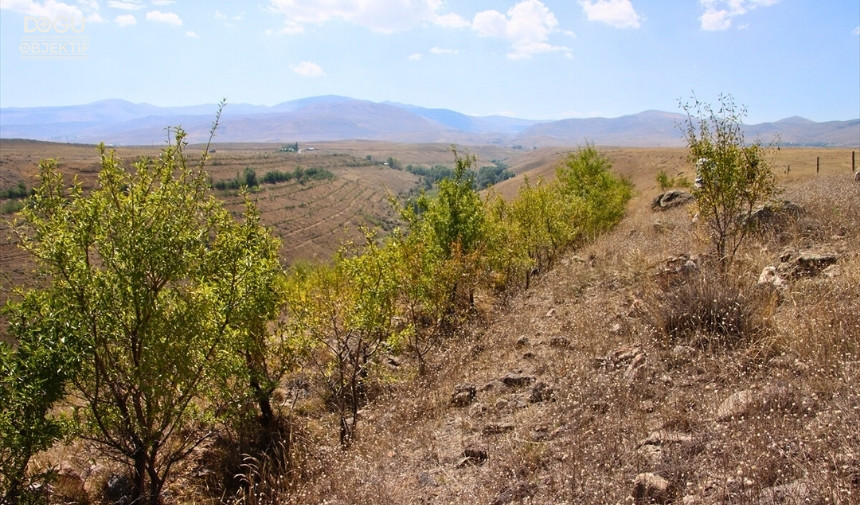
x: 710, y: 310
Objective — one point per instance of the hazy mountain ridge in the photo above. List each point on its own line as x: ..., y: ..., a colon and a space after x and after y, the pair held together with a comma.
x: 333, y: 117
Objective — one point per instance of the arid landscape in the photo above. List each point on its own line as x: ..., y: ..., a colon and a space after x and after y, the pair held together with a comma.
x: 571, y: 391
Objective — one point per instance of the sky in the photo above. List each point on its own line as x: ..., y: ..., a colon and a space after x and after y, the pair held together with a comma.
x: 533, y: 59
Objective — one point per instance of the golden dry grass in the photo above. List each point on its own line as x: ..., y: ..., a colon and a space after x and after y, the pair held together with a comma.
x: 619, y: 397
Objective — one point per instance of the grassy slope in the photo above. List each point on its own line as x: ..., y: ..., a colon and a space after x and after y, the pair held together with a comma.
x: 581, y: 328
x: 571, y: 332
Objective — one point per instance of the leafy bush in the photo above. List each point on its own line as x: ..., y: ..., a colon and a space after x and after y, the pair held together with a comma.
x: 18, y: 192
x: 733, y: 177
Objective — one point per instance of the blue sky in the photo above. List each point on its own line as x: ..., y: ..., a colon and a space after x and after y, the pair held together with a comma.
x: 536, y: 59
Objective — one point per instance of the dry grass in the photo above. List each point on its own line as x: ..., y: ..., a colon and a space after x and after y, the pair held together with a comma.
x: 630, y: 397
x: 616, y: 393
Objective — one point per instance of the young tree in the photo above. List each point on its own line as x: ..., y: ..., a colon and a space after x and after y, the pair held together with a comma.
x: 345, y: 315
x: 33, y: 379
x: 733, y: 177
x: 452, y: 226
x: 151, y: 272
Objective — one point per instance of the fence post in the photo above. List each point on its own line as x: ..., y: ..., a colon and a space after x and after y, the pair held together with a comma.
x: 817, y: 164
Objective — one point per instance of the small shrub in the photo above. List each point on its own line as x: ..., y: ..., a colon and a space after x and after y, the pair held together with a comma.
x: 11, y: 206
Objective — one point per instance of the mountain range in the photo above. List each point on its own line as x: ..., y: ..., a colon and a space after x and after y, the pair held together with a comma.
x: 321, y: 118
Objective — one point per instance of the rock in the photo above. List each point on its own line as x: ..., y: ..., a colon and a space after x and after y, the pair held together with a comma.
x: 774, y: 214
x: 463, y: 395
x: 671, y: 199
x: 523, y: 341
x: 653, y: 454
x: 770, y: 276
x: 118, y: 489
x: 518, y: 379
x: 775, y: 397
x: 635, y: 367
x: 427, y: 480
x: 676, y: 269
x: 805, y: 263
x: 796, y: 493
x: 541, y: 392
x: 559, y: 341
x: 518, y: 492
x: 497, y: 428
x: 473, y: 455
x: 650, y: 488
x: 663, y: 437
x: 736, y: 405
x: 857, y: 176
x: 477, y: 409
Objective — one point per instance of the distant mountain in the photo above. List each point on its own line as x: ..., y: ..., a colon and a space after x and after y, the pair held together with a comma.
x: 334, y: 117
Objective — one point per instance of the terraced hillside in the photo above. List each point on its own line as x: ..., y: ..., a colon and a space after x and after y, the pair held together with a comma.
x: 312, y: 217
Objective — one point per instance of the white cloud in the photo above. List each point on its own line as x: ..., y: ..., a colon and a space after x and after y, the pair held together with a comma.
x: 308, y: 69
x: 439, y: 50
x: 383, y: 16
x: 719, y: 14
x: 124, y: 20
x: 856, y: 31
x: 124, y: 5
x: 616, y: 13
x: 415, y: 56
x: 87, y: 11
x: 527, y: 26
x: 162, y: 3
x: 192, y: 34
x: 170, y: 18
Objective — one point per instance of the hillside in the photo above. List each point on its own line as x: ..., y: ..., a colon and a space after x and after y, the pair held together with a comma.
x: 569, y: 393
x: 572, y: 391
x: 334, y: 118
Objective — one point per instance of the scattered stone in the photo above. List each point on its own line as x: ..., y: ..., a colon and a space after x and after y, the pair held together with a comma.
x: 650, y: 488
x: 523, y: 341
x: 473, y: 455
x: 541, y: 392
x: 463, y: 395
x: 671, y: 199
x: 772, y: 396
x: 517, y: 492
x: 653, y: 454
x: 528, y: 355
x: 497, y: 428
x: 635, y: 367
x: 559, y: 341
x: 736, y: 405
x: 518, y: 379
x: 664, y: 437
x: 118, y: 488
x: 550, y: 312
x: 795, y: 493
x: 675, y: 269
x: 477, y: 409
x: 775, y: 213
x: 770, y: 276
x: 795, y: 265
x: 427, y: 480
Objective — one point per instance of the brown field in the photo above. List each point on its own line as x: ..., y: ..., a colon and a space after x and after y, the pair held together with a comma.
x: 313, y: 220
